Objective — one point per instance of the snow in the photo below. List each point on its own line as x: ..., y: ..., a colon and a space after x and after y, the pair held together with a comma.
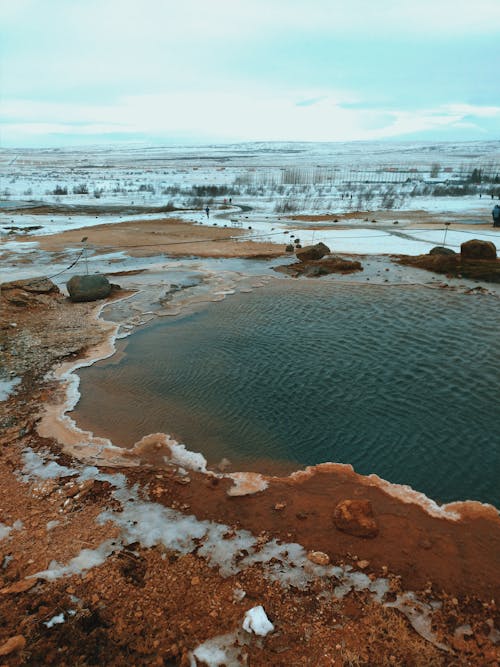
x: 221, y: 651
x: 7, y: 388
x: 213, y: 656
x: 52, y: 524
x: 35, y: 466
x: 55, y: 620
x: 419, y: 614
x: 4, y: 531
x: 262, y: 179
x: 182, y: 456
x: 256, y: 621
x: 85, y: 560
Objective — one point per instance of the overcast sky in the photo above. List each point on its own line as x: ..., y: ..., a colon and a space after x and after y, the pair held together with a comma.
x: 197, y: 71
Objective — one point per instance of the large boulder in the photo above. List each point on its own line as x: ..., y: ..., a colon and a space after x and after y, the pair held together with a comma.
x: 476, y: 249
x: 355, y: 517
x: 441, y: 250
x: 310, y: 252
x: 88, y: 288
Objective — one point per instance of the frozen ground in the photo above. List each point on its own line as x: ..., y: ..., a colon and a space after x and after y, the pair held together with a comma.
x: 258, y: 186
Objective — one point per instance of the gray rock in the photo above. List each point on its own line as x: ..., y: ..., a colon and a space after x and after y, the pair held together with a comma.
x: 441, y: 250
x: 88, y: 288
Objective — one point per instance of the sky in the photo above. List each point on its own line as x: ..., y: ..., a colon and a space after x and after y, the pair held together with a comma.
x: 78, y: 72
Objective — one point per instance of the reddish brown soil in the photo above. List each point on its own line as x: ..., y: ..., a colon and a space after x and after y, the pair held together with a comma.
x: 145, y: 238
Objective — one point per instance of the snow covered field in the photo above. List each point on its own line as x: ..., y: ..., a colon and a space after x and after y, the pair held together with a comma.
x: 259, y: 185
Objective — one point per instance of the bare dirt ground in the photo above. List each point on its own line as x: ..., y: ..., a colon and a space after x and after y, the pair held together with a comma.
x: 150, y: 602
x: 143, y: 238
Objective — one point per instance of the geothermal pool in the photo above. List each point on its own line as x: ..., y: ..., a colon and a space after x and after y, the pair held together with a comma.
x: 401, y: 382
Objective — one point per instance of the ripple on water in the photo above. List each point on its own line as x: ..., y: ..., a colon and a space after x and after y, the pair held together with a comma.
x: 401, y: 382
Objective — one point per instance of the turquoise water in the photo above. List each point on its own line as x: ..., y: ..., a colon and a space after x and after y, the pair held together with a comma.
x: 402, y: 382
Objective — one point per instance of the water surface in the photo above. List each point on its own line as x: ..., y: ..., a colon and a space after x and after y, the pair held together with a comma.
x: 402, y: 382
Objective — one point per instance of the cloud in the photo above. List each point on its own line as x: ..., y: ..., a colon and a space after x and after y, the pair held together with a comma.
x: 233, y: 69
x: 232, y: 117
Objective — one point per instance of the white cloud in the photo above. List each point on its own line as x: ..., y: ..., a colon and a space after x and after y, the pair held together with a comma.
x: 231, y: 117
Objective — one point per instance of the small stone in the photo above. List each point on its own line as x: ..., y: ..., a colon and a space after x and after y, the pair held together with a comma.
x: 16, y: 643
x: 20, y: 586
x: 362, y: 564
x: 279, y: 506
x: 182, y: 480
x: 318, y: 558
x: 71, y: 491
x: 195, y: 581
x: 355, y: 517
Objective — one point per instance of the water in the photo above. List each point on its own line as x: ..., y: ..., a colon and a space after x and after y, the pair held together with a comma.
x: 402, y: 382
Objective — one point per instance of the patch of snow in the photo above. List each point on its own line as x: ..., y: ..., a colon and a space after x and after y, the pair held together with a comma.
x: 419, y: 614
x: 7, y: 388
x: 221, y: 651
x: 91, y: 472
x: 152, y: 524
x: 55, y: 620
x: 186, y: 458
x: 85, y: 560
x: 256, y: 621
x: 52, y: 524
x: 35, y: 466
x: 4, y: 531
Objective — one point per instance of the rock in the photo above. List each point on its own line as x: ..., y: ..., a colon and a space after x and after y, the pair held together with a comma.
x: 289, y: 248
x: 88, y: 288
x: 20, y: 586
x: 355, y: 517
x: 314, y: 271
x: 28, y: 292
x: 362, y: 564
x: 40, y: 285
x: 16, y: 643
x: 309, y: 252
x: 441, y: 250
x: 318, y: 558
x: 476, y: 249
x: 279, y: 506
